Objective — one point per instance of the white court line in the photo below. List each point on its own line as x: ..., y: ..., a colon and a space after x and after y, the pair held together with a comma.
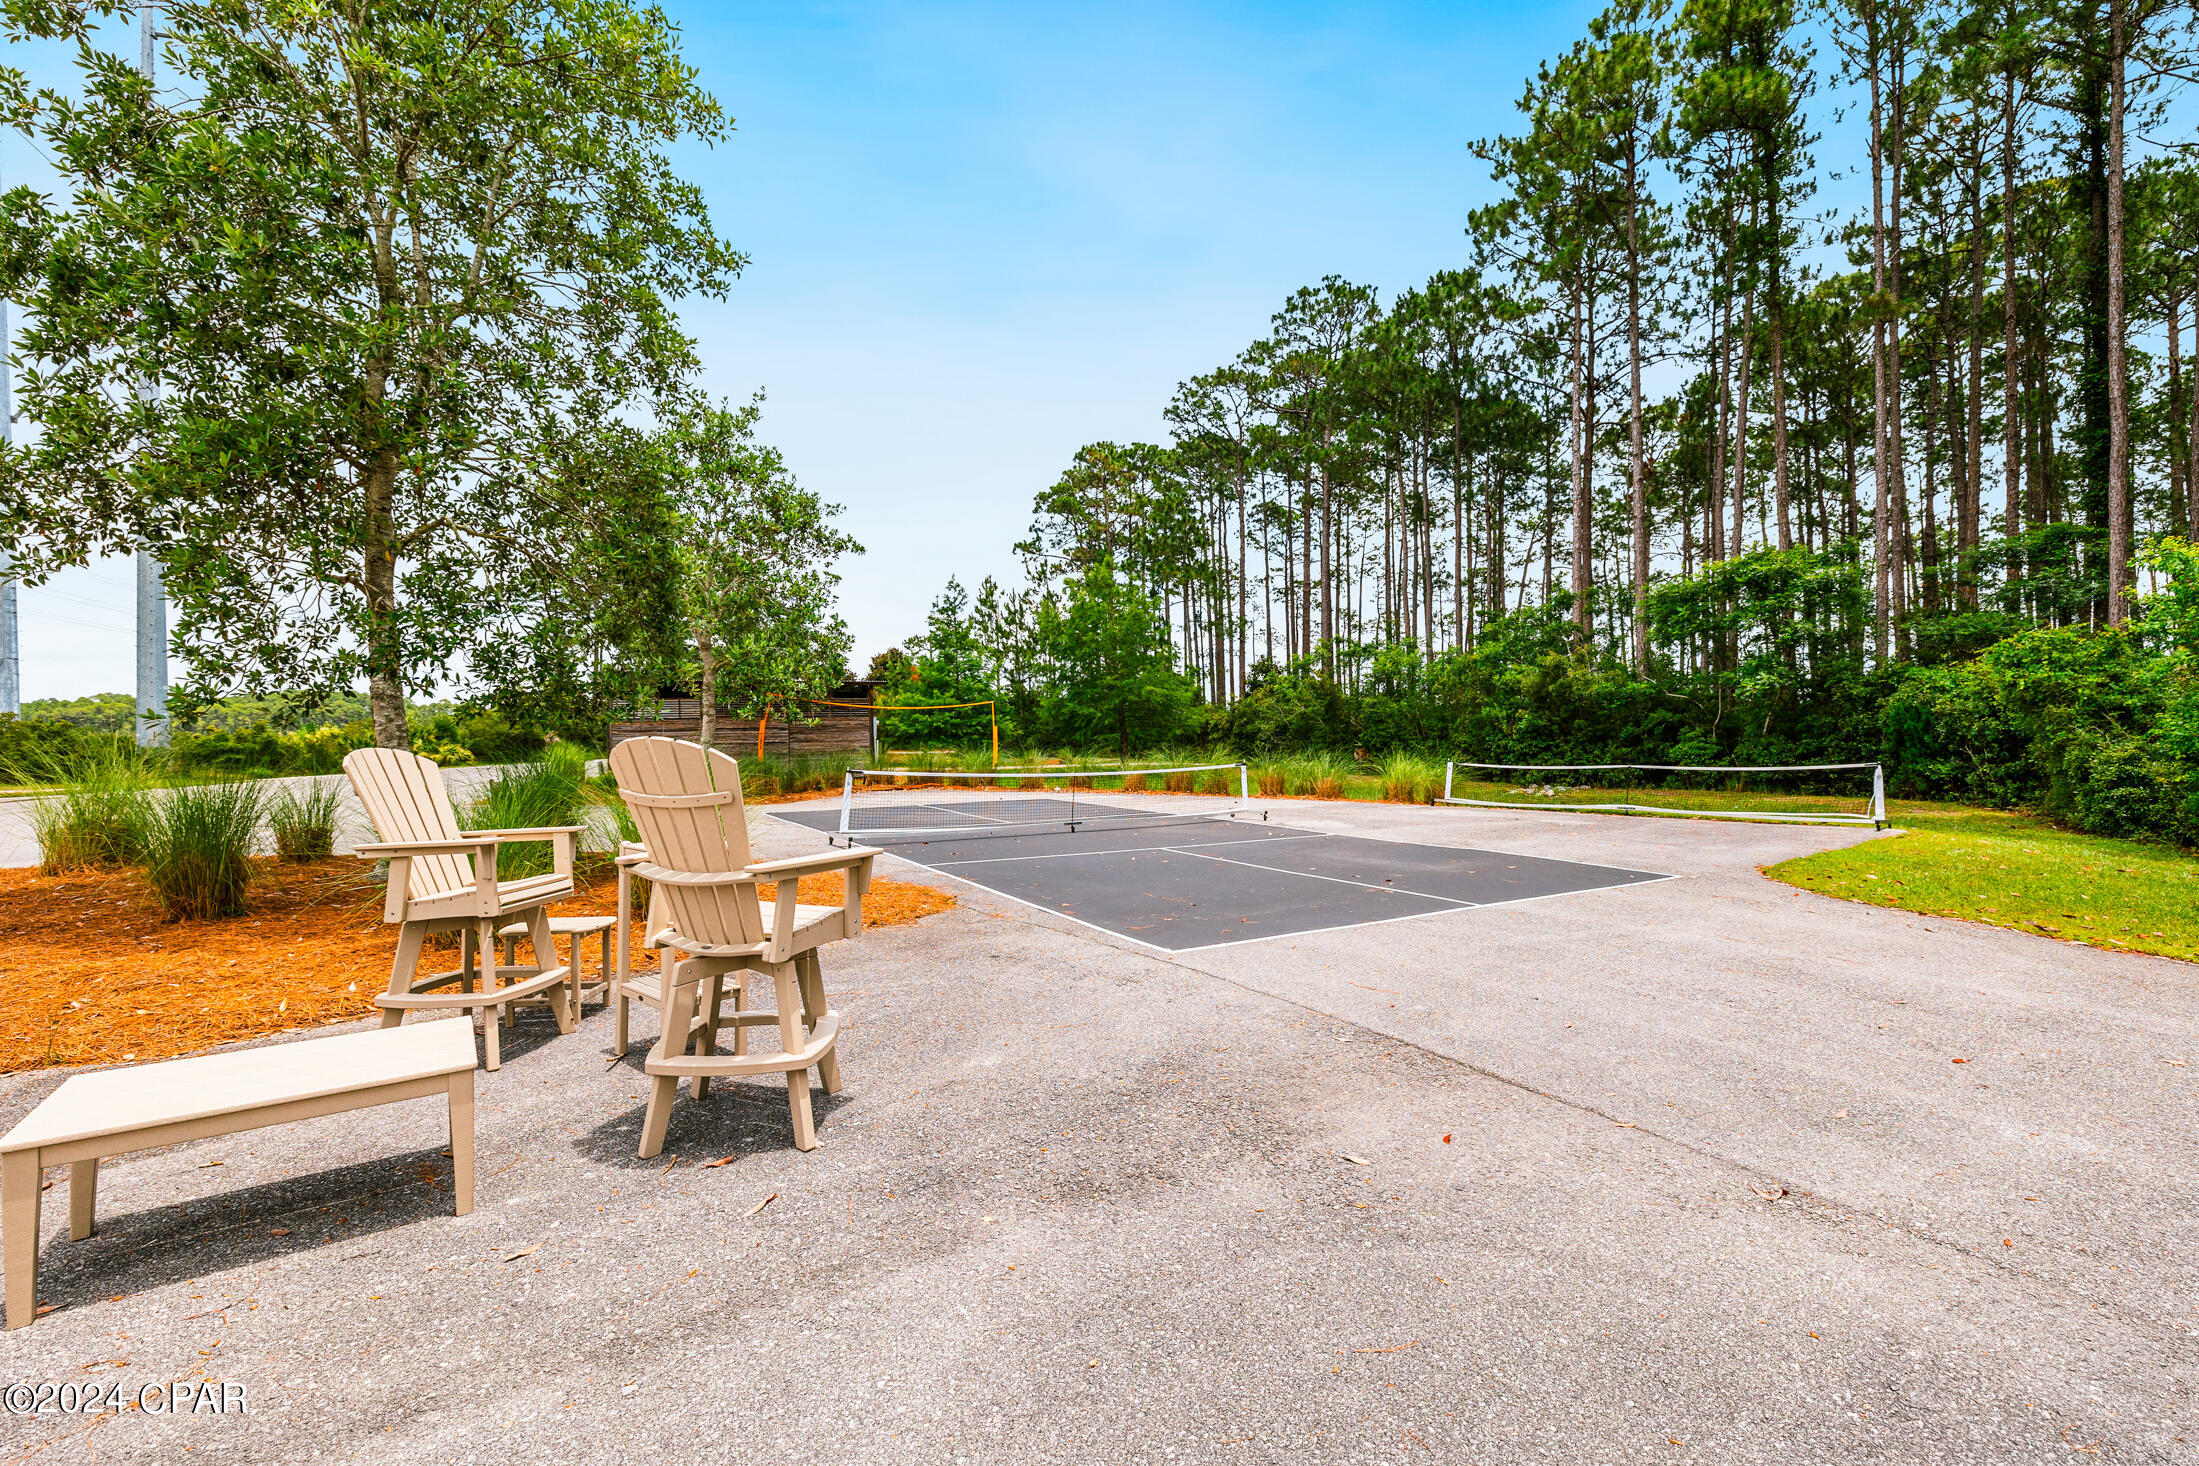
x: 1315, y: 931
x: 1311, y: 931
x: 1126, y: 850
x: 1339, y: 880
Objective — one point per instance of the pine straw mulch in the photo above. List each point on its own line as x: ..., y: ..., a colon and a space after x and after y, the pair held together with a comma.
x: 90, y: 973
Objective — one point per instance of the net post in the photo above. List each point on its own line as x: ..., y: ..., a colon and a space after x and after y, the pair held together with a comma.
x: 847, y: 798
x: 1878, y: 796
x: 1244, y: 783
x: 1448, y: 767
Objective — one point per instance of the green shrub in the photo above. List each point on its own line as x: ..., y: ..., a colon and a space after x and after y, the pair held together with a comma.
x: 100, y: 817
x: 37, y: 750
x: 304, y: 825
x: 198, y: 848
x: 258, y: 749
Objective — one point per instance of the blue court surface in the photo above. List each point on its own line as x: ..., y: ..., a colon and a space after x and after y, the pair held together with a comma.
x: 1180, y: 885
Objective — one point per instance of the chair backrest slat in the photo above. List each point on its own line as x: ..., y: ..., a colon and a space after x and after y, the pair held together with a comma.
x: 404, y: 796
x: 700, y: 838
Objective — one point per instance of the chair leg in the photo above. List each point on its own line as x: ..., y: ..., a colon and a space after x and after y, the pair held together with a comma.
x: 545, y: 956
x: 740, y: 1006
x: 813, y: 1012
x: 618, y: 1025
x: 467, y: 936
x: 797, y: 1103
x: 492, y: 1047
x: 411, y: 937
x: 791, y: 1034
x: 662, y: 1089
x: 713, y: 996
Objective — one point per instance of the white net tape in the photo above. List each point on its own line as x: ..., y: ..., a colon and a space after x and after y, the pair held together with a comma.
x: 1839, y: 794
x: 880, y: 804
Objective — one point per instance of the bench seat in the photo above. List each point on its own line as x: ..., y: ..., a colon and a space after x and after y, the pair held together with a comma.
x: 117, y: 1111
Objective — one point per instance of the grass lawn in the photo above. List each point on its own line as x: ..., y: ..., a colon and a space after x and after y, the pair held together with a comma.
x: 2010, y: 870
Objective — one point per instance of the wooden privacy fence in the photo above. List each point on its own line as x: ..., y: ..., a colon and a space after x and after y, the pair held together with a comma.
x: 844, y: 723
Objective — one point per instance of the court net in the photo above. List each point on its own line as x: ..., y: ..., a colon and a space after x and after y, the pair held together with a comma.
x: 1838, y: 794
x: 890, y: 804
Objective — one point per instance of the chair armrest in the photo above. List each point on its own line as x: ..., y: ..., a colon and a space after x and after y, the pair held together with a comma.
x: 660, y: 876
x: 813, y: 864
x: 564, y: 841
x: 465, y: 846
x: 631, y: 852
x: 397, y: 893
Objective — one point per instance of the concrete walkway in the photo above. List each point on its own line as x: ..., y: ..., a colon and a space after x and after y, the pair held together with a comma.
x: 19, y: 840
x: 1682, y: 1172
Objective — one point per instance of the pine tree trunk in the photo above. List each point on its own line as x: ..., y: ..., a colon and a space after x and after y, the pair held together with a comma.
x: 1583, y: 521
x: 2178, y: 485
x: 2011, y: 393
x: 1897, y: 465
x: 2119, y: 515
x: 1973, y: 483
x: 1882, y: 450
x: 1638, y: 481
x: 1741, y: 418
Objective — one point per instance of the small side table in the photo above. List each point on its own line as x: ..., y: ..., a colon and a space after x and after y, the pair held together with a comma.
x: 578, y: 929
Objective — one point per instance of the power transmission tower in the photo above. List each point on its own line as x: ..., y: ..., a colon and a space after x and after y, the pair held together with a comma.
x: 152, y: 593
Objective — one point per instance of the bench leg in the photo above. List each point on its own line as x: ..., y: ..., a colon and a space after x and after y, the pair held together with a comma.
x: 461, y: 1140
x: 19, y: 1182
x: 83, y: 1192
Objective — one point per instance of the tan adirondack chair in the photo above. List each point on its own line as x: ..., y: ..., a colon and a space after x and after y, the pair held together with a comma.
x: 443, y: 879
x: 708, y: 915
x: 629, y: 985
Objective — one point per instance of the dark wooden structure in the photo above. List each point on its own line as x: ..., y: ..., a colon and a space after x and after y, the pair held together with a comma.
x: 835, y: 729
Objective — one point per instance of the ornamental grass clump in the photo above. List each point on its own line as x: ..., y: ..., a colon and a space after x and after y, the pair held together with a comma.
x: 100, y: 817
x: 1319, y: 774
x: 543, y: 793
x: 198, y: 849
x: 1409, y: 779
x: 304, y: 825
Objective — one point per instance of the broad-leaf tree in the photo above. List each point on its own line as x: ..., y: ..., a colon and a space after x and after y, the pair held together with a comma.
x: 754, y: 557
x: 358, y: 256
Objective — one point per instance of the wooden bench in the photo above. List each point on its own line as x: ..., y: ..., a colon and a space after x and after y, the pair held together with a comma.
x: 117, y: 1111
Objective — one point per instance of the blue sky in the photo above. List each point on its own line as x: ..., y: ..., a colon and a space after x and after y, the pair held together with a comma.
x: 982, y: 236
